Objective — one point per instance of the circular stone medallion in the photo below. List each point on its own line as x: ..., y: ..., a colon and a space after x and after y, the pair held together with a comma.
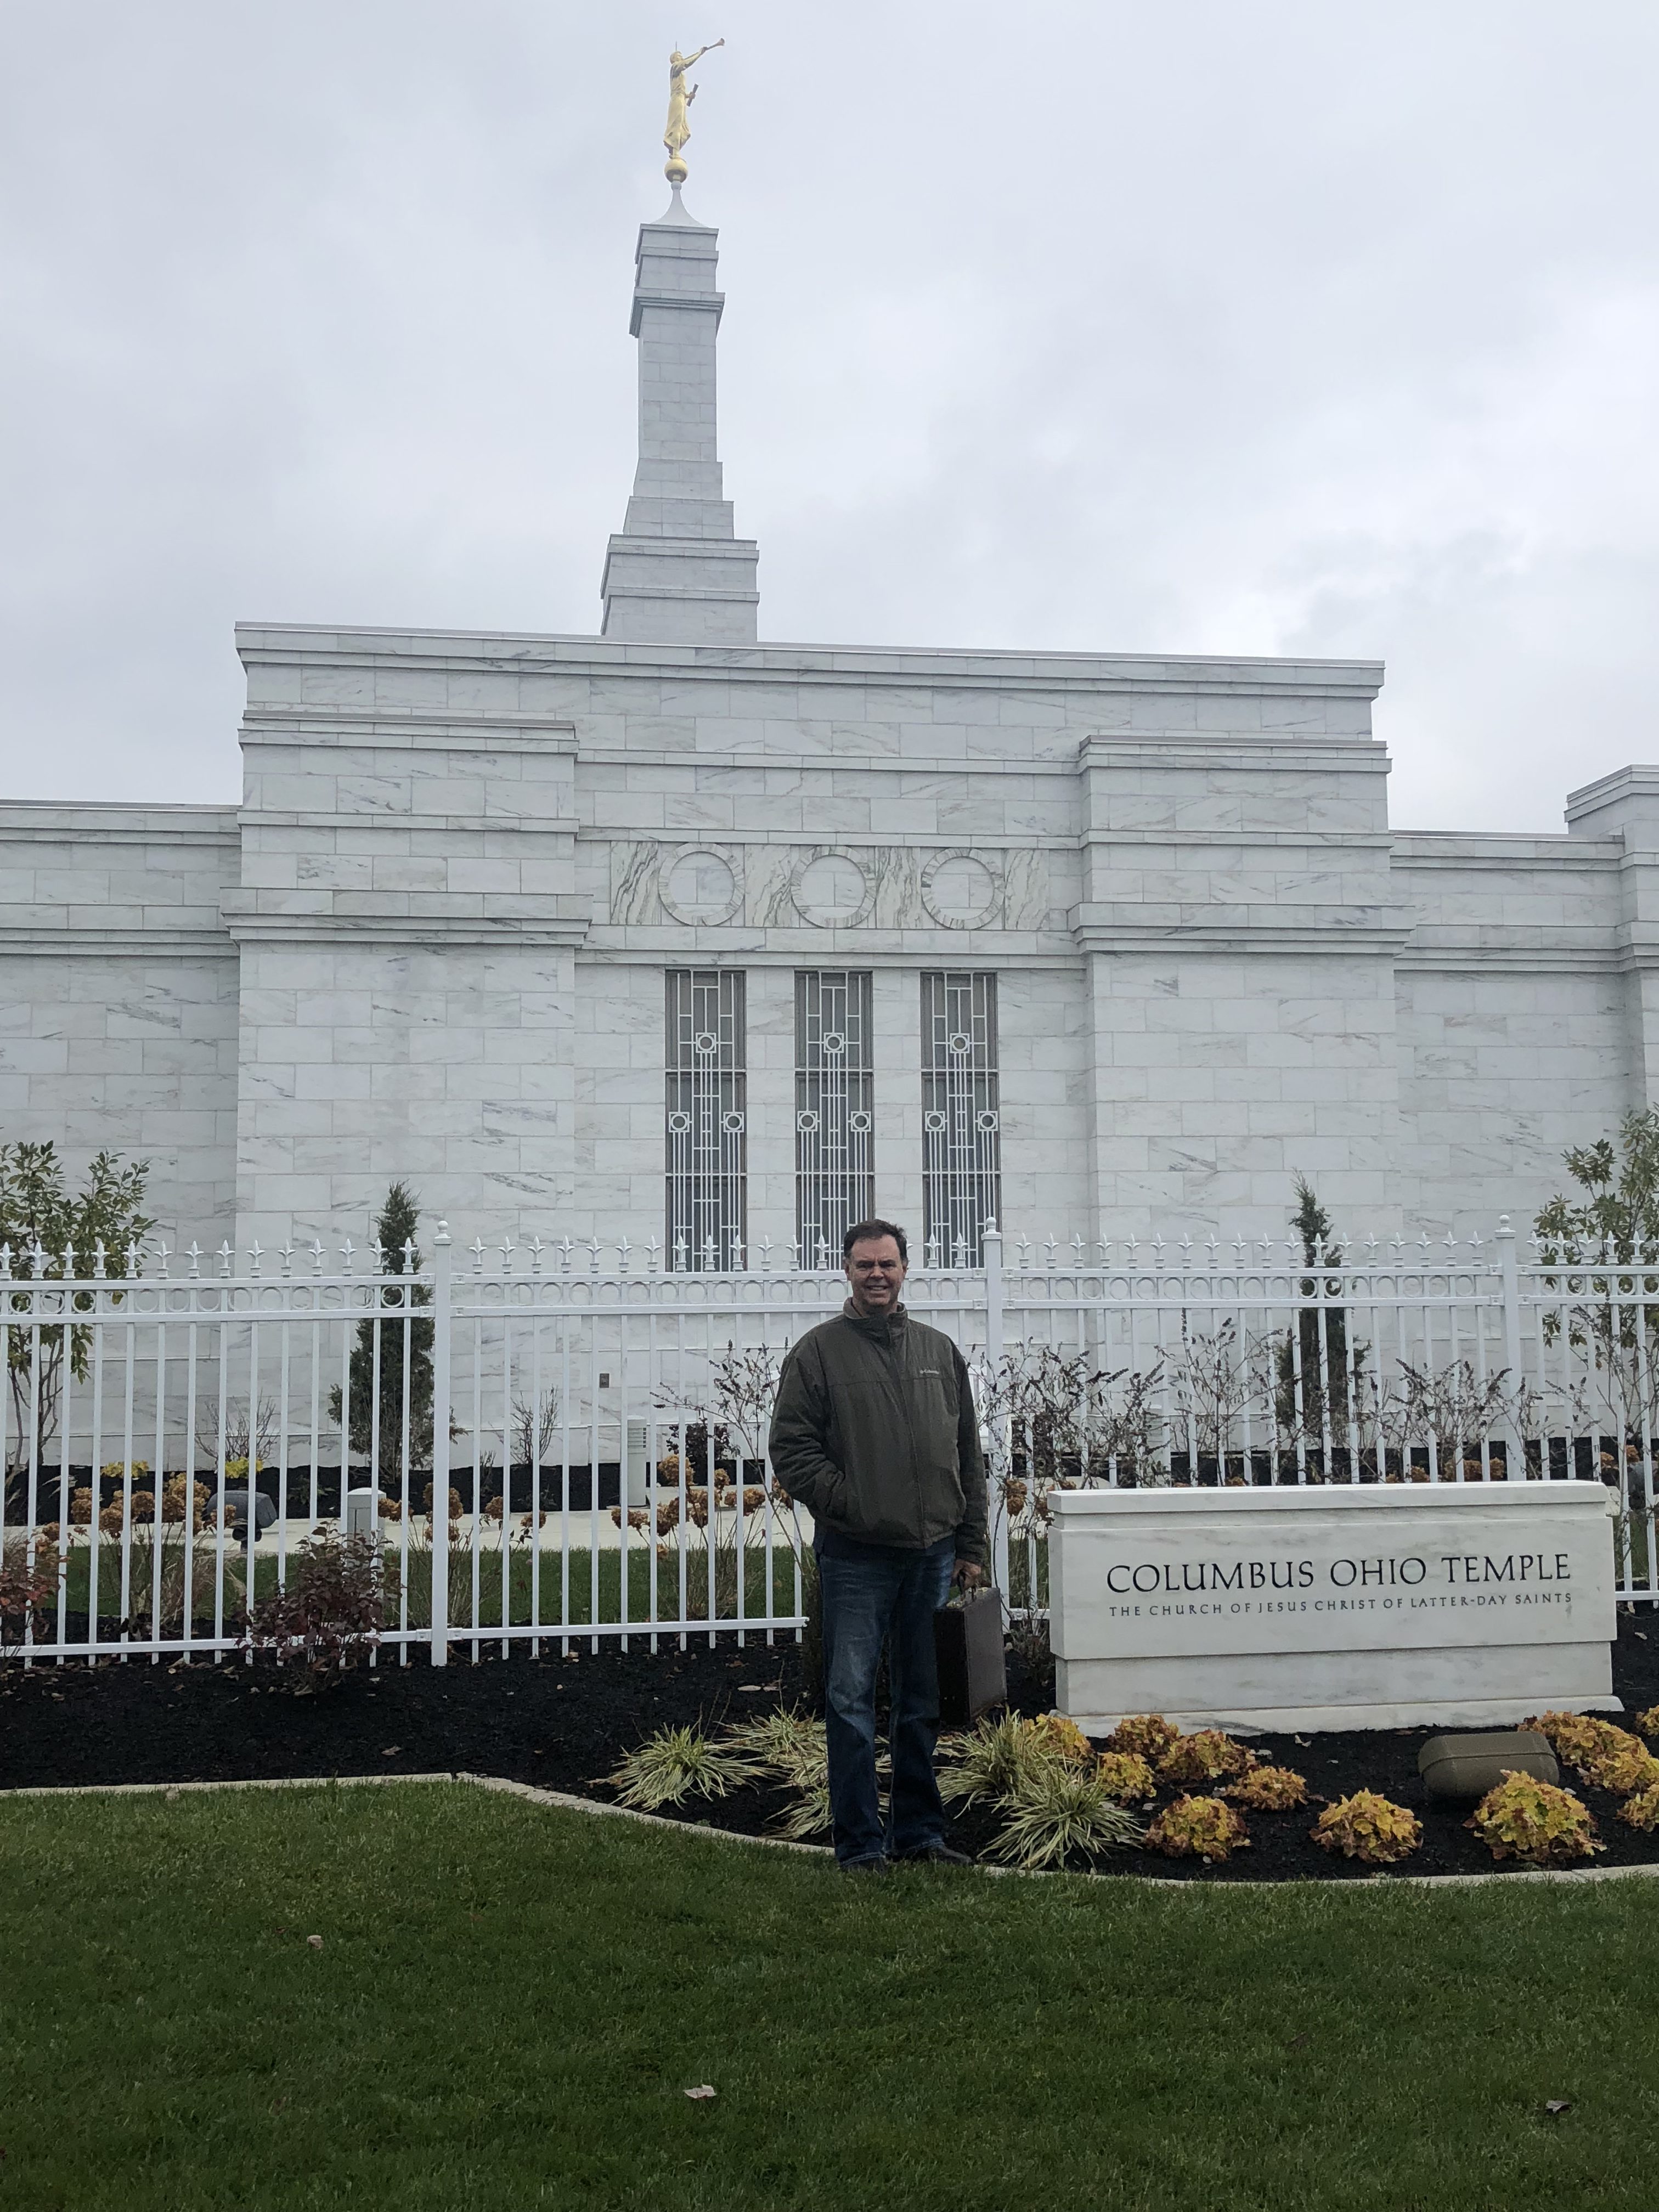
x: 832, y: 892
x: 699, y: 888
x: 960, y: 891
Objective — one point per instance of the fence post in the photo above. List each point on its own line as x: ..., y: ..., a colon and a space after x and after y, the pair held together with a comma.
x: 991, y: 1240
x: 1514, y: 1444
x: 441, y: 1447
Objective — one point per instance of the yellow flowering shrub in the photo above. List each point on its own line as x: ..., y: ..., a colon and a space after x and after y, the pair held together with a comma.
x: 1197, y: 1827
x: 1149, y: 1736
x: 1064, y: 1738
x: 1204, y: 1757
x: 1524, y: 1819
x: 1126, y: 1778
x: 1642, y: 1811
x: 1268, y: 1789
x: 1610, y: 1757
x: 1626, y: 1768
x: 1369, y: 1828
x: 1578, y: 1738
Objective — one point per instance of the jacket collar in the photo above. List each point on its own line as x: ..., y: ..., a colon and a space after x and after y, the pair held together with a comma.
x: 879, y: 1328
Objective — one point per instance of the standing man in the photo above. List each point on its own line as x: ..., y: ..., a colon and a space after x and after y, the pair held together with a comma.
x: 876, y: 1434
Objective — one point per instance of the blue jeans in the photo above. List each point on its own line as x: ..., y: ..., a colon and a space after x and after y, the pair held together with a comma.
x: 888, y: 1595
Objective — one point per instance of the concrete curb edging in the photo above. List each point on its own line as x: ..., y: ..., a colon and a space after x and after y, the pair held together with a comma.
x: 561, y: 1800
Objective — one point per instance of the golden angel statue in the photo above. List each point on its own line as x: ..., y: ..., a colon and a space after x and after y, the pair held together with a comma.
x: 679, y: 101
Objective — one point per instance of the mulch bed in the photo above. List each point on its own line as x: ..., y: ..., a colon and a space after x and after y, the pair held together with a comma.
x: 562, y: 1723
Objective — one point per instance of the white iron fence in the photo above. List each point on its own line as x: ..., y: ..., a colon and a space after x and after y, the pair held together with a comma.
x: 565, y: 1444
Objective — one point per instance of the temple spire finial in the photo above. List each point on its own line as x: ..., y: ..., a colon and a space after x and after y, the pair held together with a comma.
x: 676, y: 572
x: 679, y: 102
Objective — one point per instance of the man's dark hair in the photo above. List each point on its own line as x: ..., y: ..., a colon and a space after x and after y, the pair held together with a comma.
x: 864, y: 1232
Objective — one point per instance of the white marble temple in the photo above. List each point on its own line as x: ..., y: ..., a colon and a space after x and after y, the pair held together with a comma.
x: 432, y: 940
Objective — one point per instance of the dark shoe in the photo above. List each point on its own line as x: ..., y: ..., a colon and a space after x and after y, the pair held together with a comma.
x: 876, y: 1865
x: 937, y: 1854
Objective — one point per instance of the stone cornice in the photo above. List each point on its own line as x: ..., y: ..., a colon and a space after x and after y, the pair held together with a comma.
x: 1247, y: 931
x: 1241, y: 752
x: 284, y: 645
x: 1481, y: 948
x: 99, y: 941
x: 1456, y: 849
x: 97, y: 822
x: 411, y: 729
x: 413, y: 820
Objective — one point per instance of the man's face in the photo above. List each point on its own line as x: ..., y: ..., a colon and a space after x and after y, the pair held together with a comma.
x: 876, y: 1273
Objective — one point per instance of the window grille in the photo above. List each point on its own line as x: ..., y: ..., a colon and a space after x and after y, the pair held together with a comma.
x: 961, y: 1139
x: 834, y: 1110
x: 705, y: 1141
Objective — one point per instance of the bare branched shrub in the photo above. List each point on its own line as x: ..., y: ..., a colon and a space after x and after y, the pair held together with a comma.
x: 330, y: 1613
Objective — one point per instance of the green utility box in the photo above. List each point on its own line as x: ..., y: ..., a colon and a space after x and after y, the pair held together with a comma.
x: 1457, y: 1769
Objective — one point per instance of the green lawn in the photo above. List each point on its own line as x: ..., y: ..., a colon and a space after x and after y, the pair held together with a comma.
x: 530, y: 1598
x: 509, y: 2004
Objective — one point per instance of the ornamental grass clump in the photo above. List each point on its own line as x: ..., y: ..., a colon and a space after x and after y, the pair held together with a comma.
x: 1533, y: 1821
x: 1197, y: 1827
x: 675, y: 1764
x: 996, y: 1760
x: 790, y: 1748
x: 1268, y: 1789
x: 1205, y: 1756
x: 1369, y: 1828
x: 1148, y: 1735
x: 1062, y: 1813
x: 1126, y: 1778
x: 784, y: 1745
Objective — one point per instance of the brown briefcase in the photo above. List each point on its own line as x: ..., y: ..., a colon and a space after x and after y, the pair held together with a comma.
x: 968, y: 1647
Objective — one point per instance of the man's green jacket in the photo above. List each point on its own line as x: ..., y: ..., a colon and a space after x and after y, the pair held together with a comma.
x: 876, y: 1434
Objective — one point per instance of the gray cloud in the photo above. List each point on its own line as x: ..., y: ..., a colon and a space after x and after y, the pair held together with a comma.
x: 1280, y: 327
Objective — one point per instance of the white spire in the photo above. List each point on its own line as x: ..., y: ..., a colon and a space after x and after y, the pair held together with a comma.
x: 677, y: 574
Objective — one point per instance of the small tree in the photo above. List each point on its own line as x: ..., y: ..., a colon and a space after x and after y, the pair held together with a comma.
x: 1321, y: 1399
x: 1616, y: 1214
x: 1606, y: 1240
x: 39, y: 1213
x: 401, y: 1334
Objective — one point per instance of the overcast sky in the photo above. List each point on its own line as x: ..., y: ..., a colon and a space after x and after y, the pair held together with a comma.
x: 1216, y: 326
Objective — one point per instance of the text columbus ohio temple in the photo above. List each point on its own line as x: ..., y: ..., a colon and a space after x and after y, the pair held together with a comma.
x: 669, y: 932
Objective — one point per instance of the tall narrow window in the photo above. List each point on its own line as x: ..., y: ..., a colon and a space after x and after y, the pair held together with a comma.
x: 834, y: 1116
x: 961, y: 1140
x: 706, y: 1146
